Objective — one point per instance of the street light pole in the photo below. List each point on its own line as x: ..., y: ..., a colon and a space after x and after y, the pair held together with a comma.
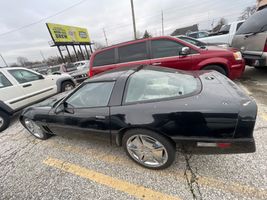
x: 133, y: 16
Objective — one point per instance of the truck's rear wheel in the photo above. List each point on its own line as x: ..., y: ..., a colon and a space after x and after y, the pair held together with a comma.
x: 4, y: 120
x: 216, y: 68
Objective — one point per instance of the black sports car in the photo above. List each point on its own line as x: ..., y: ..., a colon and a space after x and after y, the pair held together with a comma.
x: 151, y: 111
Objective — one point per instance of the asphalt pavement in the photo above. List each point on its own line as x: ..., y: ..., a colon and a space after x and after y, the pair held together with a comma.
x: 86, y: 167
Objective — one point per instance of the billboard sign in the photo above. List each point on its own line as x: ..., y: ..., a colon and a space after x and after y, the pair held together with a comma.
x: 62, y: 34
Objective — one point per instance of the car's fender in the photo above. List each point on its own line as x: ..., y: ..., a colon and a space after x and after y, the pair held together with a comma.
x: 60, y: 80
x: 6, y: 108
x: 213, y: 61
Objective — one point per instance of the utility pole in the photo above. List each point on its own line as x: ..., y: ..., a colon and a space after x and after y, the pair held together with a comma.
x: 4, y: 60
x: 42, y: 56
x: 133, y: 16
x: 162, y: 23
x: 106, y: 39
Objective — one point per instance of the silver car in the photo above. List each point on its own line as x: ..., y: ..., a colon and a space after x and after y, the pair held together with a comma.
x: 251, y: 39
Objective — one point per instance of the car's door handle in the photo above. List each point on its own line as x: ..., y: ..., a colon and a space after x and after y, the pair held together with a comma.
x: 100, y: 117
x: 27, y: 85
x: 157, y: 63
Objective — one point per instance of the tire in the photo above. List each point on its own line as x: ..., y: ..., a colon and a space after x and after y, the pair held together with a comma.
x: 4, y: 120
x: 67, y: 85
x: 35, y: 129
x: 216, y: 68
x: 260, y: 68
x: 142, y: 153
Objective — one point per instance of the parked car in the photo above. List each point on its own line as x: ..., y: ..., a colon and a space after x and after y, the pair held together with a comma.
x: 170, y: 52
x: 20, y: 87
x: 224, y: 35
x: 80, y: 75
x: 80, y: 65
x: 198, y: 34
x: 62, y: 68
x: 199, y: 43
x: 251, y: 39
x: 151, y: 111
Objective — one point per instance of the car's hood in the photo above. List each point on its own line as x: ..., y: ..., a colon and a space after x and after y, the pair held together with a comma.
x: 52, y: 100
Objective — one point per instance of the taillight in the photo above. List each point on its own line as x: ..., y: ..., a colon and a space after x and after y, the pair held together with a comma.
x: 90, y: 73
x: 265, y: 47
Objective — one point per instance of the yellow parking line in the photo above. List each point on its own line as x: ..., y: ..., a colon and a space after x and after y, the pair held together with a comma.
x: 264, y: 116
x: 121, y: 185
x: 245, y: 190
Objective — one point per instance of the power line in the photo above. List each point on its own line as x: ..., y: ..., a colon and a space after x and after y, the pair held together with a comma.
x: 41, y: 20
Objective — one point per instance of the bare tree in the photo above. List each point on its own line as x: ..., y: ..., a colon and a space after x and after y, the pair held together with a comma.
x: 22, y: 61
x: 247, y: 12
x: 220, y: 23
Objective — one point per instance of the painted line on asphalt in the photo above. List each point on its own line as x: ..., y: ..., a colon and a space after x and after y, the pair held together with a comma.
x: 264, y: 116
x: 115, y: 183
x: 227, y: 186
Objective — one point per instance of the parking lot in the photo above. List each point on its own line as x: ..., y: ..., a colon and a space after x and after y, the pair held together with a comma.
x: 86, y: 167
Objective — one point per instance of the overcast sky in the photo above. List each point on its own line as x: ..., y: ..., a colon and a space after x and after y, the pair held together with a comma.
x: 113, y: 15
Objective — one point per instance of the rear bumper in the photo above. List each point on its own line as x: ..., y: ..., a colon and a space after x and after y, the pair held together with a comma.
x: 217, y: 146
x: 237, y: 70
x: 256, y: 60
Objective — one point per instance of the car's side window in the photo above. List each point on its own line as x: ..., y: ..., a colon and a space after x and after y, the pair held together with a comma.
x: 4, y: 82
x: 133, y: 52
x: 104, y: 58
x: 165, y: 48
x: 92, y: 95
x: 146, y: 85
x: 24, y: 76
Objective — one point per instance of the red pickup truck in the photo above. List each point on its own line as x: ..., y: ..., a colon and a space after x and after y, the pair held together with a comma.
x: 169, y: 52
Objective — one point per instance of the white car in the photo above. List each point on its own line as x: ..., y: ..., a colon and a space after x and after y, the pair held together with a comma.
x: 225, y: 34
x: 82, y: 64
x: 20, y: 87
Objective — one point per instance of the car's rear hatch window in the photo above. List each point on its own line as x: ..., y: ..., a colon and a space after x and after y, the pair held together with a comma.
x: 153, y: 84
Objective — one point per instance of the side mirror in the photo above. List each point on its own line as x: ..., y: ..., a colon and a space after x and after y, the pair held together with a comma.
x: 185, y: 51
x: 40, y: 76
x: 68, y: 108
x: 65, y: 107
x: 60, y: 108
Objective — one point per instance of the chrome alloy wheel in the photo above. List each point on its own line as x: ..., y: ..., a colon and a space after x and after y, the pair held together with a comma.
x: 34, y: 128
x: 147, y: 150
x: 1, y: 121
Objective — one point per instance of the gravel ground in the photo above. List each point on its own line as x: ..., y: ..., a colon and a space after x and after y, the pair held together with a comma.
x: 86, y: 167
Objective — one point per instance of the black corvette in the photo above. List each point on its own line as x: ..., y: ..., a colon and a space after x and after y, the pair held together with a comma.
x: 151, y: 111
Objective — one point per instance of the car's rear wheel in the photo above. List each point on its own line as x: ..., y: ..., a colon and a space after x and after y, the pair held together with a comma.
x: 148, y: 148
x: 216, y: 68
x: 35, y: 129
x: 4, y: 120
x: 67, y: 85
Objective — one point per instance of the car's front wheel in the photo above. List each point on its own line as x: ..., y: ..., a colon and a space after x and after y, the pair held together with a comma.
x: 35, y: 129
x: 216, y: 68
x: 149, y: 149
x: 4, y: 120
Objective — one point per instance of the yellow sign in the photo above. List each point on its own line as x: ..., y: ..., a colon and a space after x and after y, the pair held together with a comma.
x: 68, y: 34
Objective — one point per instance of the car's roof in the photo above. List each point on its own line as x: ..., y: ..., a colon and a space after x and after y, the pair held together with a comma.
x: 135, y: 41
x: 115, y: 74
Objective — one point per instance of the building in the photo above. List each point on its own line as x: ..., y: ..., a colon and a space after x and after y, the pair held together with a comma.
x: 185, y: 30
